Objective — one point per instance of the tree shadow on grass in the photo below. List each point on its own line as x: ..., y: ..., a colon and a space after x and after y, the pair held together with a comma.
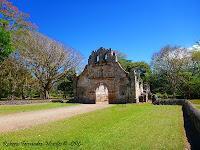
x: 192, y: 135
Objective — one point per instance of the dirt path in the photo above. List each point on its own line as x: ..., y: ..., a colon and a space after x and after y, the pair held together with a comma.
x: 24, y: 120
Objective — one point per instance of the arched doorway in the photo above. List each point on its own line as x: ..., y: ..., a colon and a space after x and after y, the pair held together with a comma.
x: 101, y: 93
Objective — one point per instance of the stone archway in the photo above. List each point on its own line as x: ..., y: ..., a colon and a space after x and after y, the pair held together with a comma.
x: 101, y: 93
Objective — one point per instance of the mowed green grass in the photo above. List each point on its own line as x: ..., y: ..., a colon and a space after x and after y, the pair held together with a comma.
x: 8, y: 109
x: 141, y: 126
x: 198, y: 107
x: 196, y: 101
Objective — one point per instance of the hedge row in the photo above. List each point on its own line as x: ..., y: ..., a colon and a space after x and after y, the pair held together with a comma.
x: 187, y: 107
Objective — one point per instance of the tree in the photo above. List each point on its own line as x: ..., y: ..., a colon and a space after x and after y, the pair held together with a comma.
x: 196, y: 58
x: 195, y: 79
x: 126, y: 64
x: 170, y: 61
x: 142, y: 67
x: 15, y: 18
x: 6, y: 46
x: 159, y: 84
x: 66, y: 85
x: 48, y: 60
x: 12, y: 21
x: 14, y: 78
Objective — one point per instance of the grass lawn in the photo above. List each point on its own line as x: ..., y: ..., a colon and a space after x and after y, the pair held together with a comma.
x: 141, y: 126
x: 197, y: 106
x: 196, y: 101
x: 7, y: 109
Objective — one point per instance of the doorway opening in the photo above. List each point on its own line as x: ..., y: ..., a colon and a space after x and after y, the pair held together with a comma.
x: 102, y: 94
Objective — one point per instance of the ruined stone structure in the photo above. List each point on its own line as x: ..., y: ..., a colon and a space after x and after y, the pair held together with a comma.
x: 104, y: 80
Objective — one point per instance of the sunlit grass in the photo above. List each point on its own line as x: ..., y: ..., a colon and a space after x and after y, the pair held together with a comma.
x: 142, y: 126
x: 195, y: 101
x: 8, y: 109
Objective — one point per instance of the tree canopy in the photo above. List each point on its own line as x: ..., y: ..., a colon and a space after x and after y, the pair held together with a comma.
x: 12, y: 20
x: 142, y: 67
x: 175, y: 71
x: 6, y: 46
x: 48, y: 60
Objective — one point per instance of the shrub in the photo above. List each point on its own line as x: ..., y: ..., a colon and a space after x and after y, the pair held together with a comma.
x: 57, y: 101
x: 162, y: 96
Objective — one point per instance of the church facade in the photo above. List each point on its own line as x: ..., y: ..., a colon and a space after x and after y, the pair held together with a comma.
x: 104, y: 80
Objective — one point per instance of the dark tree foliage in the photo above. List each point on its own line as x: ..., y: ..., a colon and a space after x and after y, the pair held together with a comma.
x: 176, y: 71
x: 6, y: 47
x: 66, y: 85
x: 12, y: 21
x: 142, y: 67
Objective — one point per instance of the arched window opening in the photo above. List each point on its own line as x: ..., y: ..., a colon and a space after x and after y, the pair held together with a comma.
x: 106, y: 57
x: 97, y: 59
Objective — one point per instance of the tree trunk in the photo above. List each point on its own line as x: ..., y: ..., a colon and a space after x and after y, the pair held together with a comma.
x: 174, y: 87
x: 22, y: 93
x: 189, y: 93
x: 12, y: 95
x: 45, y: 94
x: 174, y: 91
x: 23, y: 96
x: 174, y: 94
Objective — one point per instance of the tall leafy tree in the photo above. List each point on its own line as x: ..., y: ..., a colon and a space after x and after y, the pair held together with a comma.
x: 170, y: 61
x: 14, y: 79
x: 66, y: 84
x: 142, y: 67
x: 6, y: 46
x: 196, y: 58
x: 16, y: 19
x: 12, y: 21
x: 48, y: 60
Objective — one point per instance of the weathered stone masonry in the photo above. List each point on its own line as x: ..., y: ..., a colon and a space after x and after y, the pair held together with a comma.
x: 104, y: 72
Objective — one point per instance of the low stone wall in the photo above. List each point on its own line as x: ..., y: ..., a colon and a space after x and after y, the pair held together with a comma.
x: 118, y: 101
x: 193, y: 114
x: 22, y: 102
x: 170, y: 102
x: 86, y: 101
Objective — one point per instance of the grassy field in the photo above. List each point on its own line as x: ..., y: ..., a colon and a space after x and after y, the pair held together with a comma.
x: 8, y: 109
x: 141, y: 126
x: 197, y: 106
x: 196, y: 101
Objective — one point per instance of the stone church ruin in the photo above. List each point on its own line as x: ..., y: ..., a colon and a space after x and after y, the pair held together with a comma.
x: 104, y: 80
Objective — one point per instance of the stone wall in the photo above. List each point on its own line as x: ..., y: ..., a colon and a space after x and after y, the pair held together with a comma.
x: 23, y: 102
x: 193, y: 113
x: 170, y: 102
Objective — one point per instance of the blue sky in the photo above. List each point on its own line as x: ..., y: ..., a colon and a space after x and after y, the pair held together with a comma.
x: 137, y: 28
